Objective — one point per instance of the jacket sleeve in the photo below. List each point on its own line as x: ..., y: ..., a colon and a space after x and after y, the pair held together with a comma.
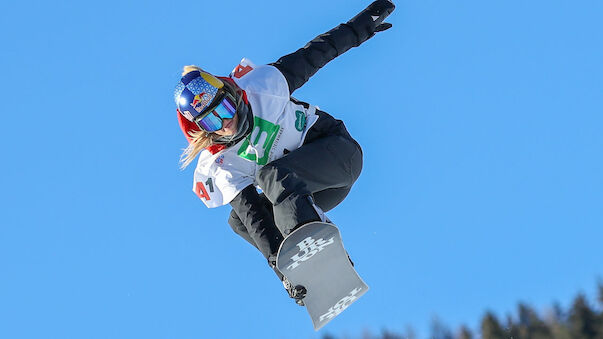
x: 253, y: 211
x: 300, y: 65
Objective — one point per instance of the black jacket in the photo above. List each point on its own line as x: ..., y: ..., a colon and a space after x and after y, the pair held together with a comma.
x: 251, y: 208
x: 300, y: 65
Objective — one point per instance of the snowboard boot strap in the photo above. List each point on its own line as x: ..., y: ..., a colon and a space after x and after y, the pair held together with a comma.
x: 297, y: 292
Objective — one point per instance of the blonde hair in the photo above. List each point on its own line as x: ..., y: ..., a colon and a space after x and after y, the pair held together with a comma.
x: 198, y: 139
x: 197, y: 142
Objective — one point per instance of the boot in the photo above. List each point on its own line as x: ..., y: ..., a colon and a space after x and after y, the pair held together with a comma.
x: 297, y: 292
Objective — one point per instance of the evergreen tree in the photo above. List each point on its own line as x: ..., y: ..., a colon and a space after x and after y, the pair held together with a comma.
x: 491, y: 328
x: 582, y: 319
x: 600, y: 315
x: 464, y: 333
x: 530, y: 325
x: 511, y: 328
x: 558, y: 323
x: 579, y: 322
x: 390, y: 335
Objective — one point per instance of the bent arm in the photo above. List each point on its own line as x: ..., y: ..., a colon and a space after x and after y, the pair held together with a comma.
x: 300, y: 65
x: 252, y: 209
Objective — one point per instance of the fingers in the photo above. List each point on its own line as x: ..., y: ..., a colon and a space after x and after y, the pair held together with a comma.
x: 383, y: 27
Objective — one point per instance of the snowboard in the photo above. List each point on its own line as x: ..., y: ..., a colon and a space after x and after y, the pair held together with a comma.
x: 313, y: 256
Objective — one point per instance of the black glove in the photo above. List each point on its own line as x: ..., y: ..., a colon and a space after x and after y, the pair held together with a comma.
x: 370, y: 20
x: 382, y: 9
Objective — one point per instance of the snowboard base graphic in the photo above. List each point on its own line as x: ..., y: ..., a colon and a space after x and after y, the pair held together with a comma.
x: 313, y: 256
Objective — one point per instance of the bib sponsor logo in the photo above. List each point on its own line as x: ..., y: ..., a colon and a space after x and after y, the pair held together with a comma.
x: 307, y: 249
x: 300, y: 121
x: 258, y: 144
x: 341, y: 304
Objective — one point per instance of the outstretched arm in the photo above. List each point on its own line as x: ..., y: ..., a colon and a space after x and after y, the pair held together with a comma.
x: 300, y: 65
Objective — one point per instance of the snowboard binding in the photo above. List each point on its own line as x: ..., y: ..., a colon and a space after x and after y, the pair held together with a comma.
x: 297, y: 292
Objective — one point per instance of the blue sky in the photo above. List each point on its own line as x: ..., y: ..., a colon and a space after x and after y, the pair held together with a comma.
x: 482, y: 183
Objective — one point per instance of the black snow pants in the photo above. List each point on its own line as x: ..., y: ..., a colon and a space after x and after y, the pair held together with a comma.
x: 322, y: 172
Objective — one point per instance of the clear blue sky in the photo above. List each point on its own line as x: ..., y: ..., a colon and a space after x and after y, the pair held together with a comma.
x: 482, y: 184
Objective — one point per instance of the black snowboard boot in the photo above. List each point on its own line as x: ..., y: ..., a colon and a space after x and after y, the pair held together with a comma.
x: 297, y: 292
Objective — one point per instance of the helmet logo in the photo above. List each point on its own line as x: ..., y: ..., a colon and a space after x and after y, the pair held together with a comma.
x: 201, y: 100
x: 188, y: 115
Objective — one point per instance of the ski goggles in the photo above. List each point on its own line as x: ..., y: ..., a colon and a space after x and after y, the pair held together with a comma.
x: 212, y: 119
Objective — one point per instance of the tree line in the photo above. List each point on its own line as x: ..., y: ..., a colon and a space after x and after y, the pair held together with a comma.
x: 582, y: 320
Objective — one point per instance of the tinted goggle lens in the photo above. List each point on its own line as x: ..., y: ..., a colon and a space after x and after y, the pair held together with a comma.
x: 213, y: 120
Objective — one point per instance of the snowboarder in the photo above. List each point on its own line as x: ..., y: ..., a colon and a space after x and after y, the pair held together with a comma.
x: 249, y: 132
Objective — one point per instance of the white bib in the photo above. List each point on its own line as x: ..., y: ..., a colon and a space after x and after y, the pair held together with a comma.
x: 279, y: 126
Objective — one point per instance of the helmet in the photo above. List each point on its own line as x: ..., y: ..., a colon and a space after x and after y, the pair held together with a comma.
x: 195, y: 92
